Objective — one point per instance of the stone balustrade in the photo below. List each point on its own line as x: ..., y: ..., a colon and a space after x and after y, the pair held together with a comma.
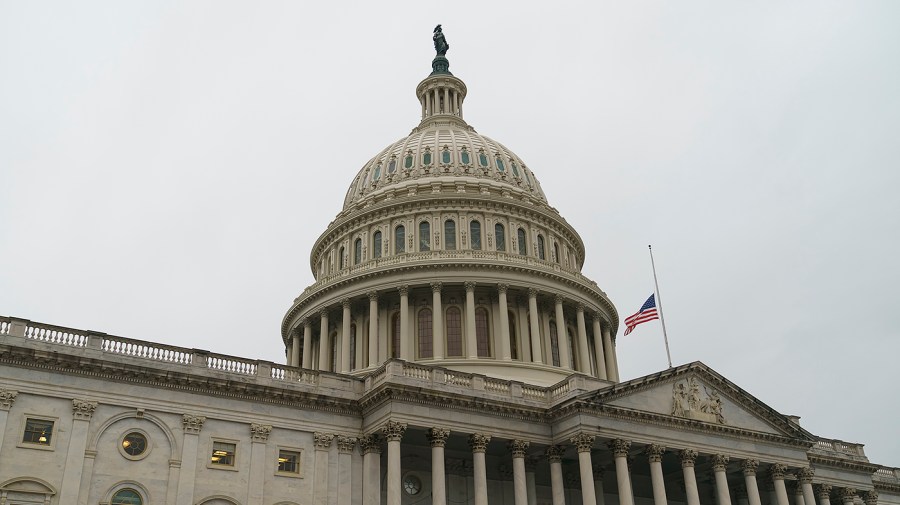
x: 840, y: 448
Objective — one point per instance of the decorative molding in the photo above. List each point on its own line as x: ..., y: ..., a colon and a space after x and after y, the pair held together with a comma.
x: 469, y: 285
x: 619, y: 447
x: 654, y: 452
x: 688, y: 457
x: 719, y: 462
x: 555, y: 453
x: 502, y: 288
x: 373, y: 296
x: 479, y: 441
x: 370, y: 444
x: 260, y: 432
x: 518, y: 448
x: 393, y: 431
x: 7, y: 398
x: 871, y: 497
x: 848, y: 495
x: 749, y: 466
x: 322, y: 441
x: 403, y: 290
x: 806, y: 474
x: 83, y: 409
x: 686, y: 402
x: 191, y: 423
x: 345, y: 444
x: 777, y: 471
x: 437, y: 436
x: 436, y: 287
x: 823, y: 491
x: 583, y: 442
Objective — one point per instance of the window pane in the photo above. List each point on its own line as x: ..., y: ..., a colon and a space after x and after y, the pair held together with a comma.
x: 426, y: 337
x: 395, y: 336
x: 513, y: 341
x: 445, y: 157
x: 523, y: 246
x: 482, y: 159
x: 38, y: 431
x: 352, y: 347
x: 424, y: 236
x: 289, y: 461
x: 454, y: 332
x: 500, y: 166
x: 377, y: 173
x: 400, y: 240
x: 475, y: 232
x: 222, y: 454
x: 376, y: 245
x: 450, y: 235
x: 341, y: 258
x: 500, y: 237
x: 554, y: 343
x: 481, y: 332
x: 134, y: 444
x: 126, y: 497
x: 426, y: 158
x: 392, y: 166
x: 408, y: 162
x: 357, y: 251
x: 541, y: 254
x: 464, y: 157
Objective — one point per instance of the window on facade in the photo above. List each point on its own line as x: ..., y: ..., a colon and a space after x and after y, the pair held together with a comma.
x: 554, y: 343
x: 499, y: 163
x: 357, y: 251
x: 482, y: 159
x: 334, y: 351
x: 408, y: 162
x: 38, y: 431
x: 523, y: 245
x: 376, y: 245
x: 445, y: 156
x: 464, y: 157
x: 475, y: 235
x: 424, y: 236
x: 426, y: 335
x: 341, y: 259
x: 541, y: 253
x: 500, y: 237
x: 556, y: 252
x: 222, y: 454
x: 450, y: 235
x: 454, y: 332
x: 352, y: 347
x: 399, y: 239
x: 395, y: 336
x: 377, y: 174
x: 126, y: 497
x: 513, y: 341
x: 482, y: 335
x: 134, y: 443
x: 426, y: 158
x: 288, y: 462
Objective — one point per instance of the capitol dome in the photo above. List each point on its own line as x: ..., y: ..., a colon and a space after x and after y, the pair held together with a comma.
x: 447, y: 253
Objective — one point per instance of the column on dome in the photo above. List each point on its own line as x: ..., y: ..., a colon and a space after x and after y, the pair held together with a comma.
x: 584, y: 353
x: 557, y: 486
x: 373, y: 328
x: 471, y: 339
x: 749, y: 467
x: 503, y: 315
x: 620, y: 449
x: 295, y: 348
x: 823, y: 492
x: 520, y: 490
x: 345, y: 336
x: 598, y: 349
x: 654, y: 454
x: 688, y: 458
x: 535, y: 329
x: 584, y: 443
x: 437, y: 437
x: 324, y: 341
x: 393, y: 433
x: 456, y: 103
x: 322, y: 442
x: 562, y: 337
x: 776, y: 473
x: 437, y: 321
x: 612, y: 367
x: 437, y: 102
x: 422, y: 101
x: 345, y: 468
x: 805, y: 476
x: 371, y: 449
x: 307, y: 344
x: 446, y: 101
x: 478, y: 442
x: 720, y: 463
x: 404, y: 324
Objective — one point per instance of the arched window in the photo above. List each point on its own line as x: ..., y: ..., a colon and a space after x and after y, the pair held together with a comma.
x: 395, y: 335
x: 500, y: 237
x: 357, y: 251
x: 499, y: 163
x: 424, y: 236
x: 482, y: 335
x: 392, y: 166
x: 377, y: 174
x: 450, y: 235
x: 475, y: 235
x: 425, y: 333
x: 541, y: 252
x: 523, y: 244
x: 126, y: 497
x: 454, y: 332
x: 554, y: 343
x: 513, y: 341
x: 399, y: 239
x: 352, y: 347
x: 341, y: 258
x: 556, y: 252
x: 376, y: 245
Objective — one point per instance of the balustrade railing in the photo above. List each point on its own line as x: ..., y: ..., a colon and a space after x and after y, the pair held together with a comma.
x: 230, y: 364
x: 291, y: 374
x: 145, y: 350
x: 840, y: 447
x: 5, y: 324
x: 55, y: 334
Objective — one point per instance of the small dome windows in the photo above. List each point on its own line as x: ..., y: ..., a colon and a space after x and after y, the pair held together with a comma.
x: 377, y: 174
x: 482, y: 158
x: 500, y: 167
x: 445, y: 156
x: 426, y: 157
x: 408, y: 161
x: 464, y: 156
x: 515, y: 168
x: 392, y: 165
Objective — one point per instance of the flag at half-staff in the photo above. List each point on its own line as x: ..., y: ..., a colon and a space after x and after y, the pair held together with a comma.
x: 647, y: 312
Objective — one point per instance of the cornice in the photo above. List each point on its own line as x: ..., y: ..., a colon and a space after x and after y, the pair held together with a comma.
x: 844, y: 464
x: 889, y: 487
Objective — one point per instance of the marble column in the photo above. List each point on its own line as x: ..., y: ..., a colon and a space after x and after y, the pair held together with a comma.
x: 404, y: 324
x: 598, y: 485
x: 797, y: 491
x: 535, y: 328
x: 584, y: 353
x: 599, y: 355
x: 478, y: 442
x: 740, y: 494
x: 191, y: 426
x: 437, y: 328
x: 393, y: 433
x: 565, y: 359
x: 848, y: 495
x: 584, y: 443
x: 520, y: 489
x: 688, y: 458
x: 749, y: 466
x: 324, y: 342
x: 530, y: 479
x: 322, y: 443
x: 720, y: 464
x: 7, y: 398
x: 345, y: 336
x: 776, y: 472
x: 259, y: 435
x: 295, y: 349
x: 557, y: 486
x: 823, y: 492
x: 82, y: 412
x: 437, y: 438
x: 373, y: 328
x: 307, y: 344
x: 620, y: 449
x: 609, y: 351
x: 345, y: 447
x: 654, y: 454
x: 505, y: 353
x: 805, y: 476
x: 471, y: 340
x: 371, y: 449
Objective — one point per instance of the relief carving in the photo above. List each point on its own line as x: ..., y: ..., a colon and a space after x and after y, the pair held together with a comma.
x: 687, y: 402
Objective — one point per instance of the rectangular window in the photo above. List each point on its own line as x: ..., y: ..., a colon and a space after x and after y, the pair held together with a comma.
x: 37, y: 431
x: 288, y: 462
x: 222, y: 454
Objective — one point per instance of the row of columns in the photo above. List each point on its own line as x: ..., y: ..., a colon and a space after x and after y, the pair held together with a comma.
x: 603, y: 348
x: 441, y: 100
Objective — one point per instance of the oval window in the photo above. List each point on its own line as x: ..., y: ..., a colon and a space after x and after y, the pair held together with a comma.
x: 482, y: 159
x: 515, y: 168
x: 500, y: 166
x: 445, y: 157
x: 377, y: 174
x: 392, y: 166
x: 408, y: 162
x: 464, y: 156
x: 426, y: 158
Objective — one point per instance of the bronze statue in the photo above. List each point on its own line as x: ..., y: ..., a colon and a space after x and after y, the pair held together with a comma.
x: 440, y: 43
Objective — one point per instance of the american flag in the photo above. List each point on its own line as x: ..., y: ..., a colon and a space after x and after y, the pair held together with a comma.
x: 647, y: 313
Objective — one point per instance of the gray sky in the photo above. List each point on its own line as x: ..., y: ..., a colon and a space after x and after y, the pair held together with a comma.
x: 166, y: 166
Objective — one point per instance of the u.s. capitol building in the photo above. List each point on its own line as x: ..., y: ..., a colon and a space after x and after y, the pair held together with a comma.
x: 449, y: 352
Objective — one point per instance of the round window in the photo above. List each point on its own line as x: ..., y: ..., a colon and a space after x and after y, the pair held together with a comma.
x: 412, y: 485
x: 134, y: 445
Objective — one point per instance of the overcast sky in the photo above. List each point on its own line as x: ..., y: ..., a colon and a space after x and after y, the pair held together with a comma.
x: 165, y: 168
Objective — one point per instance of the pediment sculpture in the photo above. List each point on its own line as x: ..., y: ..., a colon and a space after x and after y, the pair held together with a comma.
x: 687, y: 402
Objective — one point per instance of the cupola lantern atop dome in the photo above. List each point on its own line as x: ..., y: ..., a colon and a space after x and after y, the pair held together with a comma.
x: 441, y: 93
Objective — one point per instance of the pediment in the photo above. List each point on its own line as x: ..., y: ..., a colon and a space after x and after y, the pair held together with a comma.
x: 695, y: 392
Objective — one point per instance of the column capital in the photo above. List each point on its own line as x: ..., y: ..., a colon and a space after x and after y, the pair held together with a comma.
x: 848, y: 494
x: 373, y: 296
x: 83, y: 409
x: 518, y: 448
x: 260, y: 432
x: 619, y: 447
x: 322, y: 441
x: 871, y: 497
x: 345, y: 303
x: 720, y: 461
x: 345, y: 445
x: 554, y: 453
x: 403, y: 290
x: 437, y: 436
x: 579, y: 308
x: 502, y: 288
x: 532, y: 292
x: 470, y: 286
x: 654, y: 452
x: 688, y: 457
x: 479, y: 441
x: 370, y: 444
x: 777, y: 471
x: 806, y: 475
x: 823, y: 491
x: 305, y: 322
x: 323, y: 313
x: 583, y: 442
x: 436, y: 287
x: 7, y: 398
x: 393, y: 430
x: 191, y: 423
x: 749, y: 466
x: 558, y: 299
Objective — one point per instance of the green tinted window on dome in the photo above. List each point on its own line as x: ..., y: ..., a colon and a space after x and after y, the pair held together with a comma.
x: 445, y: 156
x: 515, y: 168
x: 464, y: 156
x: 426, y: 158
x: 377, y: 174
x: 482, y: 159
x: 500, y: 166
x: 392, y: 166
x: 526, y: 177
x: 408, y: 162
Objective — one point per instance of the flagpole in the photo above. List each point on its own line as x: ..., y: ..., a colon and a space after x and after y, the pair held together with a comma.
x: 659, y: 304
